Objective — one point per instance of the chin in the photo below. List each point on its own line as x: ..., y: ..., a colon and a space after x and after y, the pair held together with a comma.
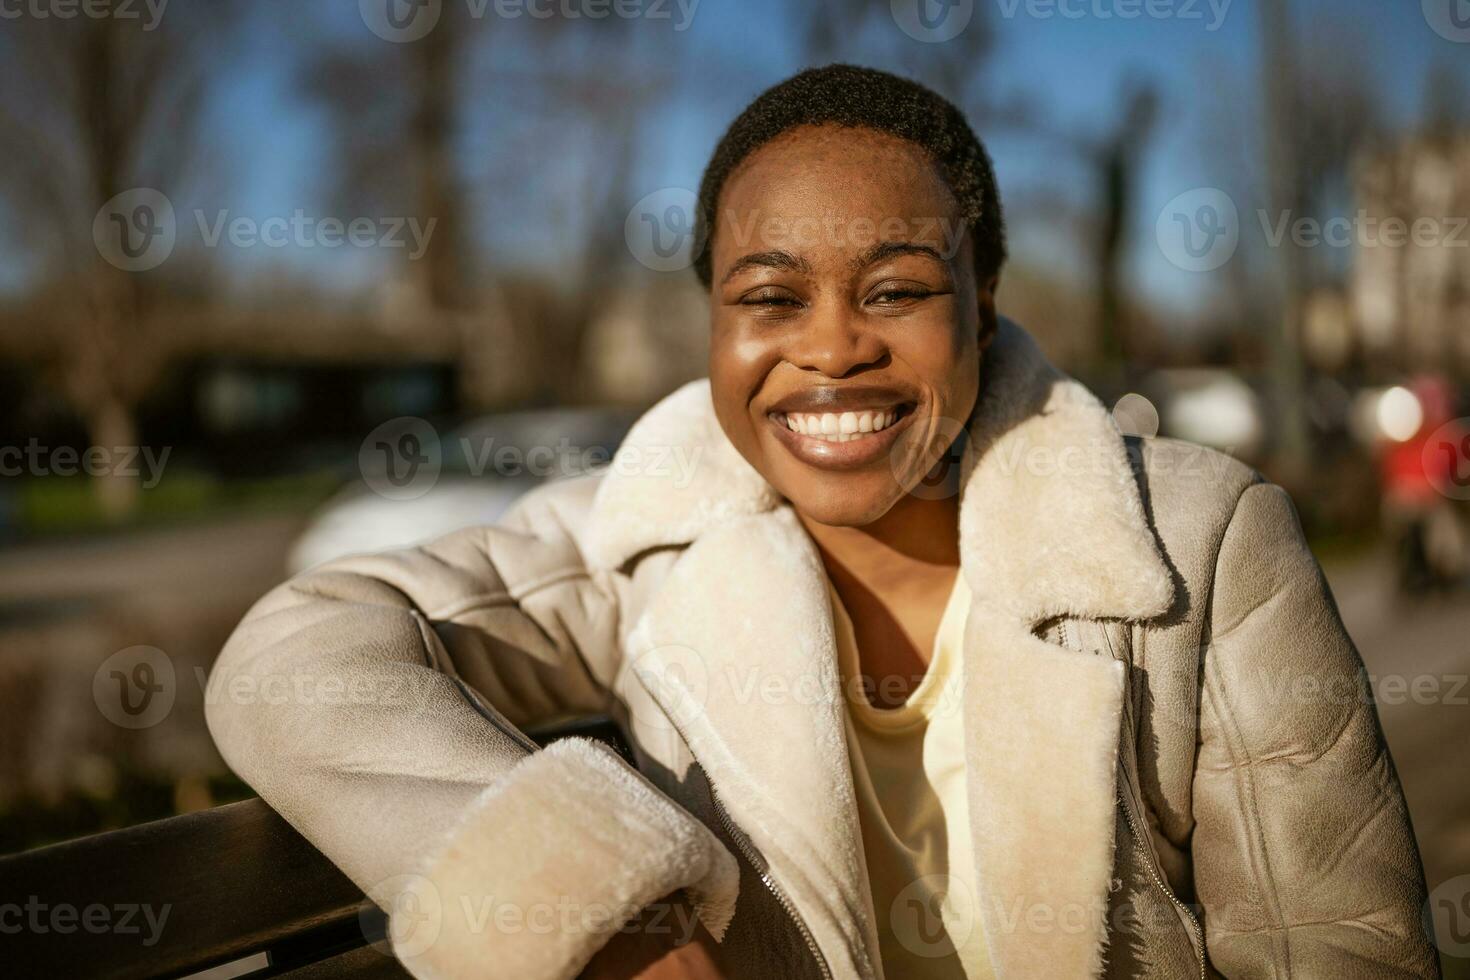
x: 845, y: 501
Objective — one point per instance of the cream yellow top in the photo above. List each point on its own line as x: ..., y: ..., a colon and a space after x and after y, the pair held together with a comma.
x: 908, y: 767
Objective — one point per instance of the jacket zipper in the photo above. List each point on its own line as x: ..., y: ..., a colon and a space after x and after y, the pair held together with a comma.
x: 1134, y: 819
x: 743, y: 843
x: 1195, y: 933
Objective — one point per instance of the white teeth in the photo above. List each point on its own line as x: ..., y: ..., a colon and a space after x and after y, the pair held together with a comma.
x: 841, y: 427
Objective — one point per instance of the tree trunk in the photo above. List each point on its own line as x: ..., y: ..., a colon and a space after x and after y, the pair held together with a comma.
x: 112, y: 427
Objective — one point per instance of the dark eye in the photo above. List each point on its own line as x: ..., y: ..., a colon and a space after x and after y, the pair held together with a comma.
x: 898, y: 295
x: 769, y: 298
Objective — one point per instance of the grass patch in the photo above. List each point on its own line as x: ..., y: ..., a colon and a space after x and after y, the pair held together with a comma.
x: 63, y: 505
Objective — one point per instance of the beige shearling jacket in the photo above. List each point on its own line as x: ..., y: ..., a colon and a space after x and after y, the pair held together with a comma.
x: 1175, y: 767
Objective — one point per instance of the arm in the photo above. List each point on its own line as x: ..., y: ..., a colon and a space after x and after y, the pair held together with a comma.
x: 1304, y: 858
x: 375, y: 703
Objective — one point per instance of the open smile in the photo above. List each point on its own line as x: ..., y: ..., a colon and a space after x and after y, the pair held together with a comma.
x: 841, y: 440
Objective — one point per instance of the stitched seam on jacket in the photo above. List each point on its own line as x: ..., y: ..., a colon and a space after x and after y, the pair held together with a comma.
x: 566, y: 573
x: 1244, y: 778
x: 429, y: 657
x: 1357, y: 920
x: 1243, y: 775
x: 480, y: 706
x: 506, y: 597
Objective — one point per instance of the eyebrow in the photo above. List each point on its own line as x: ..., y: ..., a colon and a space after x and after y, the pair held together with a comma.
x: 887, y: 250
x: 774, y: 259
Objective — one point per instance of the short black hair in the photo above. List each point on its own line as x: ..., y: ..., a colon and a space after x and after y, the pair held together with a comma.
x: 849, y: 95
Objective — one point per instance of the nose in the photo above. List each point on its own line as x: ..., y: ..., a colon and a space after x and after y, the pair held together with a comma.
x: 836, y: 343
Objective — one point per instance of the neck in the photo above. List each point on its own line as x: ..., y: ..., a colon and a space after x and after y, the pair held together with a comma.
x: 914, y: 532
x: 893, y: 577
x: 919, y: 533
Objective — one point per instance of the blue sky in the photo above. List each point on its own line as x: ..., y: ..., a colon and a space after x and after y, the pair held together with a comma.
x: 268, y: 155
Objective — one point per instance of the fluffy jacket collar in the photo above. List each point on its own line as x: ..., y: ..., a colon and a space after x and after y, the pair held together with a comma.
x: 1051, y: 520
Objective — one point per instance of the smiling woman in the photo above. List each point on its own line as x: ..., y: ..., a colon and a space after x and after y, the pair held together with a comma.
x: 925, y: 670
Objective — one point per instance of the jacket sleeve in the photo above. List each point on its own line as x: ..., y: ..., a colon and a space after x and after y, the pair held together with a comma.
x: 1305, y: 862
x: 376, y: 703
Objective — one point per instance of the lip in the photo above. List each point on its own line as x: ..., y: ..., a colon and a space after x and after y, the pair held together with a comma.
x: 850, y: 455
x: 817, y: 399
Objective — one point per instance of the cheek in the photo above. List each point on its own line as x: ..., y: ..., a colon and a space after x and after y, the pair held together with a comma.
x: 944, y: 356
x: 965, y: 382
x: 740, y: 361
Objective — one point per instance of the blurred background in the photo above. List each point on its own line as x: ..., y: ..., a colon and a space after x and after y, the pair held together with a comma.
x: 282, y: 281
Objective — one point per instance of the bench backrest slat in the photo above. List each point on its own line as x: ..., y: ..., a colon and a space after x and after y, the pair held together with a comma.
x: 173, y: 897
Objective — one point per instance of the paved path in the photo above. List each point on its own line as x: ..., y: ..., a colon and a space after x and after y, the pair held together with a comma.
x: 1418, y: 654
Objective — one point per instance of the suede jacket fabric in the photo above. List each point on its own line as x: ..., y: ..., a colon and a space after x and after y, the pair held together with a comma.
x: 1175, y: 767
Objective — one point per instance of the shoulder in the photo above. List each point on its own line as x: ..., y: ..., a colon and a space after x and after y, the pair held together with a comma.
x: 558, y: 510
x: 1212, y: 513
x: 1182, y: 475
x: 1232, y: 537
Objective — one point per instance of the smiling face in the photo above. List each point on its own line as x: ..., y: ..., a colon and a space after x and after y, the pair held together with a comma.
x: 847, y: 320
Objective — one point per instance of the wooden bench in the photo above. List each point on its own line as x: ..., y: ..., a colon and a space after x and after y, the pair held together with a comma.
x: 244, y: 895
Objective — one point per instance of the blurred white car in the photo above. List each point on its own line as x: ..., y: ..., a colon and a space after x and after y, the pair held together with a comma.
x: 484, y: 467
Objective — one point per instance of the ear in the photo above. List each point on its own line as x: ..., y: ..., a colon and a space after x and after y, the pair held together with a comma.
x: 989, y: 319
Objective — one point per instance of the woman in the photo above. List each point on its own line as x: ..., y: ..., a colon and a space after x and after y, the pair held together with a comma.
x: 926, y: 670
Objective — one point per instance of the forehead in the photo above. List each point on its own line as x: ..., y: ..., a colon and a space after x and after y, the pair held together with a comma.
x: 844, y: 179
